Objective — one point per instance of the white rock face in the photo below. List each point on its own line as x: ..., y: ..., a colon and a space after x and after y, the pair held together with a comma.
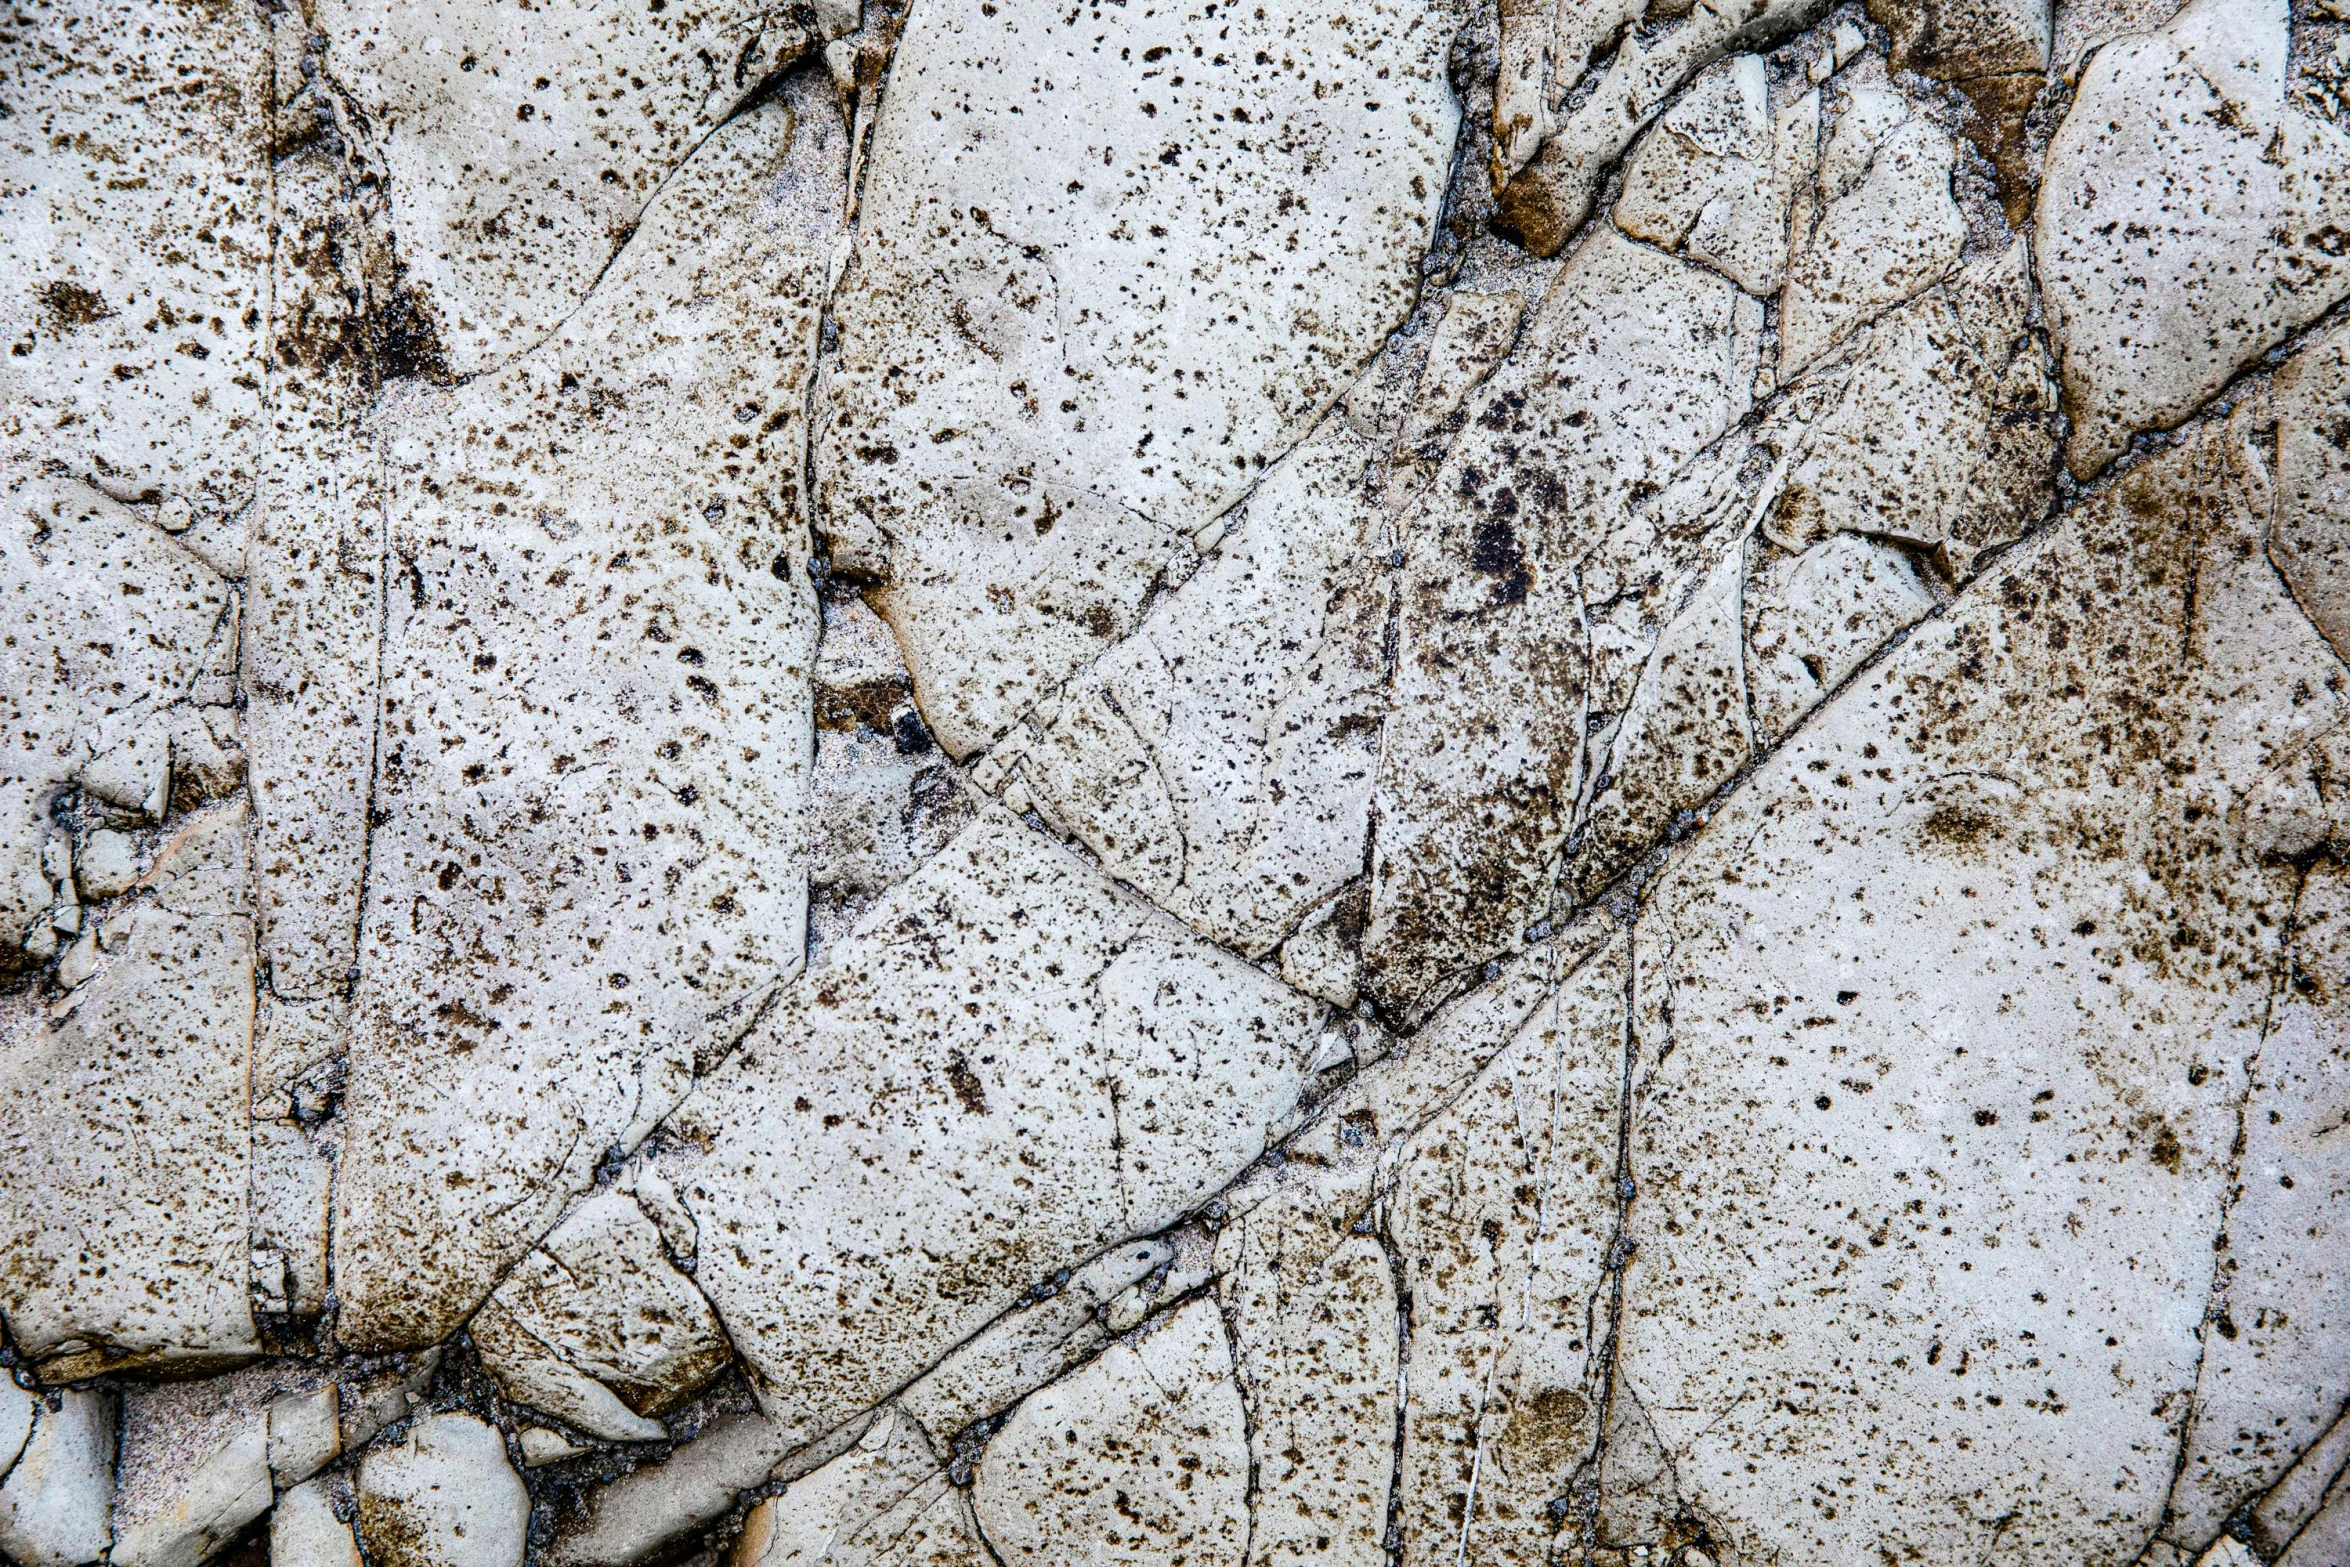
x: 304, y: 1531
x: 2191, y: 220
x: 885, y: 1500
x: 1873, y: 1102
x: 528, y: 146
x: 1040, y: 1064
x: 1158, y: 1468
x: 597, y: 1327
x: 134, y: 249
x: 1220, y: 759
x: 125, y: 1155
x: 971, y: 784
x: 444, y: 1497
x: 1107, y: 269
x: 531, y: 995
x: 58, y: 1491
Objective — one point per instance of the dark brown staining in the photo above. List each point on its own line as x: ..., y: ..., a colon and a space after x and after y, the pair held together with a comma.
x: 68, y: 305
x: 970, y: 1093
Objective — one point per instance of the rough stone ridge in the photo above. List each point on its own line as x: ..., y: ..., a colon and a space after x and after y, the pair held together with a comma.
x: 1187, y: 783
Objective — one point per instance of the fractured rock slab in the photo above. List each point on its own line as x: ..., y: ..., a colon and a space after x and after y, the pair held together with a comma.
x: 57, y: 1495
x: 1479, y: 773
x: 1889, y: 1154
x: 125, y: 1156
x: 1107, y: 269
x: 2191, y: 220
x: 110, y: 622
x: 444, y: 1497
x: 596, y: 734
x: 1007, y: 1066
x: 1220, y: 759
x: 525, y: 146
x: 597, y: 1327
x: 1143, y: 1454
x: 134, y: 247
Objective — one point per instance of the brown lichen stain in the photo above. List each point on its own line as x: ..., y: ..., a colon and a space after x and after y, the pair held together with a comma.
x: 67, y: 305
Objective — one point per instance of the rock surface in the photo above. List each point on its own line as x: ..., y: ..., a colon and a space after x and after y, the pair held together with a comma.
x: 443, y: 1497
x: 955, y: 783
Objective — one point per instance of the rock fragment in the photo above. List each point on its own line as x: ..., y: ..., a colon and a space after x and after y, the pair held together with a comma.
x: 304, y: 1531
x: 1030, y: 1345
x: 125, y: 1152
x: 2313, y: 484
x: 1314, y: 1321
x: 444, y: 1497
x: 1220, y: 759
x: 1143, y: 1453
x: 1060, y: 358
x: 885, y: 1500
x: 1478, y: 776
x: 601, y: 103
x: 110, y: 622
x: 57, y: 1497
x: 1544, y: 202
x: 1502, y: 1216
x: 1006, y: 1067
x: 1888, y: 230
x: 2190, y: 220
x: 593, y: 839
x: 134, y: 248
x: 598, y: 1328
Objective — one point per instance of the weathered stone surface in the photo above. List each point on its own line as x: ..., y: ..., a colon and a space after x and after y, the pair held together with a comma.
x: 110, y: 622
x: 1314, y: 1312
x: 1479, y: 771
x: 1938, y: 431
x: 1085, y: 312
x: 526, y: 147
x: 134, y: 247
x: 696, y: 1485
x: 1244, y: 785
x: 1547, y: 182
x: 1143, y: 1454
x: 1220, y: 759
x: 535, y: 988
x: 1883, y: 1099
x: 444, y: 1497
x: 2307, y: 541
x: 1503, y: 1209
x: 194, y: 1469
x: 1887, y: 229
x: 1961, y: 40
x: 292, y: 1193
x: 58, y: 1492
x: 2191, y: 219
x: 1007, y: 1066
x: 304, y: 1531
x: 1031, y: 1344
x: 884, y: 1501
x: 124, y: 1148
x: 596, y: 1326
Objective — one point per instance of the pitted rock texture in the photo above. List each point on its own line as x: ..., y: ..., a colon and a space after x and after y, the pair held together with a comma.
x: 963, y: 783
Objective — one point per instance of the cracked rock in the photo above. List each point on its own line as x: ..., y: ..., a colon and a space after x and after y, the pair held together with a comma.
x: 125, y: 1155
x: 1143, y: 1453
x: 2191, y: 219
x: 526, y: 147
x: 593, y: 842
x: 597, y: 1328
x: 443, y: 1497
x: 57, y: 1493
x: 1106, y: 270
x: 1040, y: 1065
